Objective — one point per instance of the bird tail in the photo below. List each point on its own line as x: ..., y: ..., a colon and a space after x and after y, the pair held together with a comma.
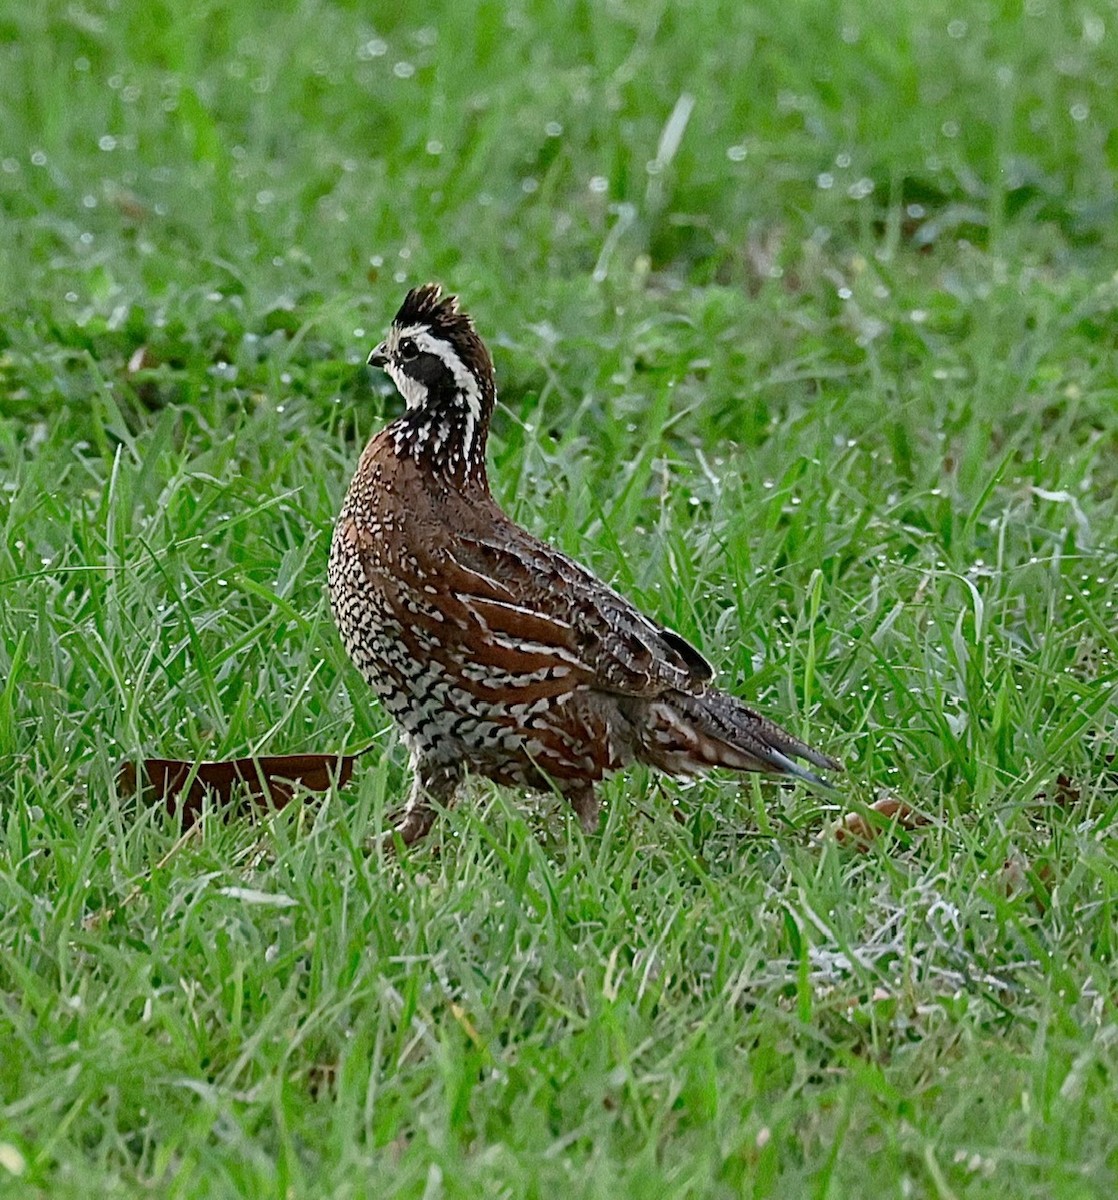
x: 687, y: 734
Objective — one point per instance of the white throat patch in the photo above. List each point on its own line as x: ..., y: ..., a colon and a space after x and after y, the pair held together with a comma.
x: 414, y: 392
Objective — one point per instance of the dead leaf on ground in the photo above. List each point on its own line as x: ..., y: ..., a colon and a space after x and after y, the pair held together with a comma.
x: 1018, y: 875
x: 129, y: 205
x: 1066, y: 791
x: 240, y: 783
x: 859, y: 830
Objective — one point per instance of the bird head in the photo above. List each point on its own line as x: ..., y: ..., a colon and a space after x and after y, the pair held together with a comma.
x: 443, y: 371
x: 432, y: 351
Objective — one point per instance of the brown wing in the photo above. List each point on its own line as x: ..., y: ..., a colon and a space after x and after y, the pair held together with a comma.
x: 534, y: 591
x: 466, y: 627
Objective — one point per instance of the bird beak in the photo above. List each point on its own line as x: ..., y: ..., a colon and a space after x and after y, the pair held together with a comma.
x: 377, y: 357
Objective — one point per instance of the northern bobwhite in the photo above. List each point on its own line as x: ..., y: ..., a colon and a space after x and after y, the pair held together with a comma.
x: 494, y: 652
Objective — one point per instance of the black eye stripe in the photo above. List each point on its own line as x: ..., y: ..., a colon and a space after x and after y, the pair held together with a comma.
x: 431, y: 371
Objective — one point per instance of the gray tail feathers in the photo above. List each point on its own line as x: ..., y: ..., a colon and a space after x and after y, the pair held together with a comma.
x: 688, y: 734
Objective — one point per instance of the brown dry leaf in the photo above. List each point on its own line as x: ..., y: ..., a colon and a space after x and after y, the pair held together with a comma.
x: 1066, y: 793
x: 129, y: 205
x: 1011, y: 877
x: 1017, y: 876
x: 266, y: 781
x: 859, y: 830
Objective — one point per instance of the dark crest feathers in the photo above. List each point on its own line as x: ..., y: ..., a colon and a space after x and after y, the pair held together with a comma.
x: 426, y: 305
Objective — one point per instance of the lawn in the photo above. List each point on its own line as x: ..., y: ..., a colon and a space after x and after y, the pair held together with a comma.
x: 805, y: 319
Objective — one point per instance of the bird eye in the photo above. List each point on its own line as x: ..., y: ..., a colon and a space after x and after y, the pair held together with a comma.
x: 407, y: 349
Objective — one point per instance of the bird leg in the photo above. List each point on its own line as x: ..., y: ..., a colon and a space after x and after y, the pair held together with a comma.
x: 583, y: 799
x: 434, y: 787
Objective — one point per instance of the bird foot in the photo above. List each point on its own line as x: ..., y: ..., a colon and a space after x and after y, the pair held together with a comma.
x: 410, y: 825
x: 584, y: 801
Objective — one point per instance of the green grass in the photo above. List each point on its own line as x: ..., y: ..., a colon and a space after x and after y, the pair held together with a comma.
x: 830, y: 387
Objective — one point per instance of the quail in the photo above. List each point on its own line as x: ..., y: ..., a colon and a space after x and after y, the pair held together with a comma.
x: 495, y: 653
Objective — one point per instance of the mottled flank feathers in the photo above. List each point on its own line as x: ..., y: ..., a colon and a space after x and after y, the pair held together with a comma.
x: 494, y: 652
